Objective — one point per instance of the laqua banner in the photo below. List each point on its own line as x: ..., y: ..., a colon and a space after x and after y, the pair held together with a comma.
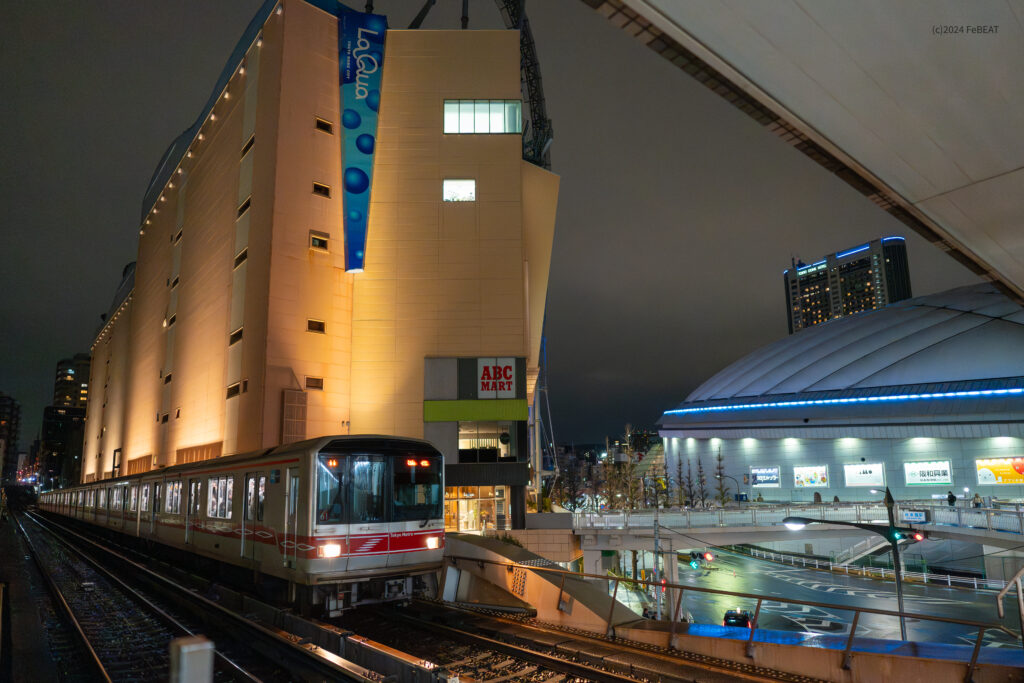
x: 764, y: 477
x: 360, y: 59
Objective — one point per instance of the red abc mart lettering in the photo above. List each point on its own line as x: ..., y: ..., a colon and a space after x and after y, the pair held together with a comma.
x: 497, y: 378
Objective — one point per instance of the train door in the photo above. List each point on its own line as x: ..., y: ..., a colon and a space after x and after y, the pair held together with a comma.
x: 368, y: 530
x: 156, y: 508
x: 195, y: 491
x: 252, y: 513
x: 291, y: 518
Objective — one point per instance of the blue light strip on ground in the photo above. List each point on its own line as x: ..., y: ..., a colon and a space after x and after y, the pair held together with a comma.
x: 979, y: 393
x: 852, y: 251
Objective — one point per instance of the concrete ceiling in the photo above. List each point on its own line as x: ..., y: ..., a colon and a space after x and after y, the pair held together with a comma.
x: 928, y: 125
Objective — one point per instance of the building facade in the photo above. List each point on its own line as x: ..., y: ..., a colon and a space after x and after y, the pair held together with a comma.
x: 925, y: 396
x: 71, y: 383
x: 247, y: 325
x: 10, y: 427
x: 861, y: 278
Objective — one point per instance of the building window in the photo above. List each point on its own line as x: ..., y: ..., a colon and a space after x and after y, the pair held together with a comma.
x: 240, y: 259
x: 318, y: 240
x: 316, y: 326
x: 458, y: 190
x: 248, y: 145
x: 235, y: 337
x: 233, y: 390
x: 164, y: 418
x: 177, y: 237
x: 483, y: 116
x: 315, y: 383
x: 175, y: 281
x: 488, y: 442
x: 244, y: 206
x: 167, y: 380
x: 173, y: 319
x: 322, y: 190
x: 325, y: 126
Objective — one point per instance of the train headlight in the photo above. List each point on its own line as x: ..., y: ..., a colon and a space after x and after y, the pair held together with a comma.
x: 329, y: 550
x: 433, y: 542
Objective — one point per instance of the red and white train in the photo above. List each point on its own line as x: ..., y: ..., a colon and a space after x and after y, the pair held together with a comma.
x: 344, y: 520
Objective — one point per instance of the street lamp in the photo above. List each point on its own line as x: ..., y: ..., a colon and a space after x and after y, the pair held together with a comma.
x: 891, y: 533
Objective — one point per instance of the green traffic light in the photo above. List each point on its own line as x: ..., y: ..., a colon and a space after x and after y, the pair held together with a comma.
x: 694, y: 564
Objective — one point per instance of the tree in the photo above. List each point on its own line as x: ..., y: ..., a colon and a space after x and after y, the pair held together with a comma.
x: 691, y: 489
x: 702, y: 482
x: 680, y: 491
x: 721, y: 490
x: 570, y: 490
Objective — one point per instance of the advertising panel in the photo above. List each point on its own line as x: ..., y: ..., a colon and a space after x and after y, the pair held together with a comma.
x: 865, y: 474
x: 765, y: 477
x: 1000, y: 470
x: 811, y: 476
x: 360, y: 58
x: 928, y: 473
x: 496, y: 378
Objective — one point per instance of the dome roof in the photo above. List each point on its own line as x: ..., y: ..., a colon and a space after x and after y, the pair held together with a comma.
x: 968, y: 333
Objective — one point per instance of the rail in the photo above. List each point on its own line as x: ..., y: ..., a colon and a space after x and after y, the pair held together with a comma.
x: 1007, y: 520
x: 681, y: 589
x: 1020, y: 598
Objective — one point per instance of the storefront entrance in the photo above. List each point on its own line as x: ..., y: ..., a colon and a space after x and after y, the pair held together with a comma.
x: 475, y: 508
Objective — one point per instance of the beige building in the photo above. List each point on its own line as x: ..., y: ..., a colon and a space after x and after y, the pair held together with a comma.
x: 242, y: 329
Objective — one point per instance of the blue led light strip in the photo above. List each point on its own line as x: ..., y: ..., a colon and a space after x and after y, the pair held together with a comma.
x: 861, y: 399
x: 853, y: 251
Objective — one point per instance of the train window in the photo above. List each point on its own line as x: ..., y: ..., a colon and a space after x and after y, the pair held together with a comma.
x: 220, y: 491
x: 102, y: 499
x: 115, y: 498
x: 255, y: 491
x: 330, y: 492
x: 172, y: 498
x: 145, y: 497
x: 418, y: 493
x: 368, y: 478
x: 196, y: 491
x: 133, y: 498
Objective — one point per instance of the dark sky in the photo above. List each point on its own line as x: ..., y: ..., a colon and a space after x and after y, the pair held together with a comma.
x: 676, y: 218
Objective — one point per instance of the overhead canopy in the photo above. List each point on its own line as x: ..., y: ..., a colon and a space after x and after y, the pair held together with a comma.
x: 917, y: 104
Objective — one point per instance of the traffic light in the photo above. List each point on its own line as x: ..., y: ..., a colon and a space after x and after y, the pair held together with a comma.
x: 919, y: 536
x: 694, y: 559
x: 709, y: 557
x: 663, y: 582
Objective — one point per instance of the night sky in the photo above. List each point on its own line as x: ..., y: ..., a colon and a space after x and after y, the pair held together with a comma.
x: 677, y: 213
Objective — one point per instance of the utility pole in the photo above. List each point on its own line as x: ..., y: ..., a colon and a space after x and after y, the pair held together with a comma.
x: 657, y: 556
x: 897, y: 569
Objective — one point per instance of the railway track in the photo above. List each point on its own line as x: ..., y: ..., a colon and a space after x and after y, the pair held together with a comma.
x: 127, y: 629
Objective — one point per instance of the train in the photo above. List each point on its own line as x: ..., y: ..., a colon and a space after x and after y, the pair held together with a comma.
x: 337, y: 521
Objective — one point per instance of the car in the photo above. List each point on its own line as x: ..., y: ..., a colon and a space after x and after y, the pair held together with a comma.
x: 737, y: 617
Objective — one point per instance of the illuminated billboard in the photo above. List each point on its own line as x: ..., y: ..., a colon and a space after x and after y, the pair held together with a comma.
x: 765, y: 477
x: 1000, y: 470
x: 811, y: 476
x: 928, y: 473
x: 865, y: 474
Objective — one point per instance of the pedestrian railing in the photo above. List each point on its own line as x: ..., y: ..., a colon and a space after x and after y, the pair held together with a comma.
x: 876, y: 572
x: 992, y: 519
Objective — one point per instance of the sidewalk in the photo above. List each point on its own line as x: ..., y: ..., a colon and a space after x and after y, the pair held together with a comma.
x: 26, y: 652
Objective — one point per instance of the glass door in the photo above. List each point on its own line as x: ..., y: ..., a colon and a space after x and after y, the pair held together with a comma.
x: 192, y: 507
x: 291, y: 521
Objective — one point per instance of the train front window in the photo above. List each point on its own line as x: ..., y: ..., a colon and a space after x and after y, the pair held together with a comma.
x: 330, y: 492
x: 368, y: 488
x: 418, y: 493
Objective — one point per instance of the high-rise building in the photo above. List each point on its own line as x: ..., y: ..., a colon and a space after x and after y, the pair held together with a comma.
x: 858, y: 279
x: 319, y: 260
x: 71, y: 387
x: 10, y: 424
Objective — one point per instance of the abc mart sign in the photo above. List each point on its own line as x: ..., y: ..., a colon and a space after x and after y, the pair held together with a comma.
x: 496, y: 377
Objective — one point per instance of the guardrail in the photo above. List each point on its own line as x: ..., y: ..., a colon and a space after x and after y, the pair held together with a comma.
x: 879, y: 572
x: 991, y: 519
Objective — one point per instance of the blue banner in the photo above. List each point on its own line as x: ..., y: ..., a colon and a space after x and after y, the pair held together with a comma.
x: 360, y: 58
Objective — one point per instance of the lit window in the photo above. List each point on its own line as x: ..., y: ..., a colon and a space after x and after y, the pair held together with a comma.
x: 316, y: 326
x: 316, y: 383
x: 459, y: 190
x: 483, y: 116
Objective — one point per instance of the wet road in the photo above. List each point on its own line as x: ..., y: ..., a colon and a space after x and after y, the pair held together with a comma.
x: 747, y: 575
